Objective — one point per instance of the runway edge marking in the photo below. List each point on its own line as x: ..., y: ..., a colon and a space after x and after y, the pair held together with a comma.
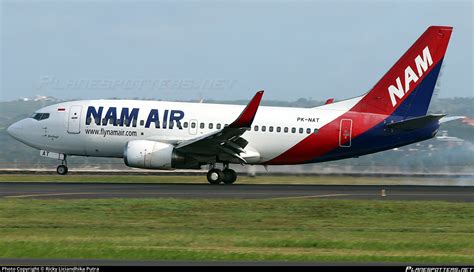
x: 311, y: 196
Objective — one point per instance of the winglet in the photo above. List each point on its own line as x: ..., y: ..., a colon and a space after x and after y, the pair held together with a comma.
x: 248, y: 114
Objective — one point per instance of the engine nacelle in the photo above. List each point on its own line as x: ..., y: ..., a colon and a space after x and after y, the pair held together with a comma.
x: 156, y: 155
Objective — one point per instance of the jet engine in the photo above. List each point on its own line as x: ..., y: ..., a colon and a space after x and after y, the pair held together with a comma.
x: 156, y: 155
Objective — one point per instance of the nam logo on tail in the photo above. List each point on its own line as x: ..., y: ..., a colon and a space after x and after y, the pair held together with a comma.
x: 422, y: 64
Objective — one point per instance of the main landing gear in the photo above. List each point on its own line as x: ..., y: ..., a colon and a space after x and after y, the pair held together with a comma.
x: 62, y: 169
x: 216, y: 176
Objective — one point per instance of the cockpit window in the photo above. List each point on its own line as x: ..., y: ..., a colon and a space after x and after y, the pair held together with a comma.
x: 40, y: 116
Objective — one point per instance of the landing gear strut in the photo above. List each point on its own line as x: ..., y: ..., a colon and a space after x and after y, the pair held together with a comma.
x: 62, y: 169
x: 216, y: 176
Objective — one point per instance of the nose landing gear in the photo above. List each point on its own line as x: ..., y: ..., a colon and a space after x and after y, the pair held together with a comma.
x: 216, y: 176
x: 62, y: 169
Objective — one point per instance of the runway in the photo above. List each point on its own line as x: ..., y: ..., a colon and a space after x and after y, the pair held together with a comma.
x: 28, y: 190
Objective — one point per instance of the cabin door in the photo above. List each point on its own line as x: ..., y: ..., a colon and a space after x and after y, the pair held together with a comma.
x: 74, y: 120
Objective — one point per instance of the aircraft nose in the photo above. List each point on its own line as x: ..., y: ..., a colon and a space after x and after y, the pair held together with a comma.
x: 15, y: 129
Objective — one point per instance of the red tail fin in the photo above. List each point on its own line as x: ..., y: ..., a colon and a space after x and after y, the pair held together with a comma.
x: 421, y: 63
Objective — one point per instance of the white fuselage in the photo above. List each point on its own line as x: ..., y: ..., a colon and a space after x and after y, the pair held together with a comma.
x: 67, y: 131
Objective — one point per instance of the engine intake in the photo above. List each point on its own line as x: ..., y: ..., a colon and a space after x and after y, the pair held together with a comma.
x: 156, y: 155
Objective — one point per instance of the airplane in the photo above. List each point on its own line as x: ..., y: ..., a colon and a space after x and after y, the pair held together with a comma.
x: 183, y: 135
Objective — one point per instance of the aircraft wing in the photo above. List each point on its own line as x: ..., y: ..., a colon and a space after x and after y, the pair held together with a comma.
x: 226, y: 140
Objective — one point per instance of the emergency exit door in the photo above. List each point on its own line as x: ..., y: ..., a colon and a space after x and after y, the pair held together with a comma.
x: 193, y: 126
x: 345, y: 133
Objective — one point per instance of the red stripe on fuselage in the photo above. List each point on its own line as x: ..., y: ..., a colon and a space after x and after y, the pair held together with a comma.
x: 327, y: 138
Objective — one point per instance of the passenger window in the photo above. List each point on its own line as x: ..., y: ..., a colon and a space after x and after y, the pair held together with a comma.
x: 293, y: 130
x: 201, y: 125
x: 193, y: 125
x: 286, y: 129
x: 308, y: 131
x: 134, y: 122
x: 315, y: 130
x: 278, y: 129
x: 104, y: 121
x: 270, y: 129
x: 218, y: 126
x: 157, y: 124
x: 255, y: 128
x: 142, y: 122
x: 264, y: 128
x: 301, y: 130
x: 171, y: 125
x: 211, y: 125
x: 185, y: 124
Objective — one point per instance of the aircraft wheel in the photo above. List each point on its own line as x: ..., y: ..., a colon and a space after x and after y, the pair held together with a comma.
x: 230, y: 176
x: 62, y: 170
x: 215, y: 176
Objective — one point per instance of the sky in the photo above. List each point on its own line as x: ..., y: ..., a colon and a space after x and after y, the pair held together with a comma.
x: 222, y: 50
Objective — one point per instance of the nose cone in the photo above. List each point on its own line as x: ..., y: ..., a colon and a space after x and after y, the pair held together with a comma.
x: 15, y: 130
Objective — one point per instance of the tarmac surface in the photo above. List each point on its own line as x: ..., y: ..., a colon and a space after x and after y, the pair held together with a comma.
x: 56, y: 190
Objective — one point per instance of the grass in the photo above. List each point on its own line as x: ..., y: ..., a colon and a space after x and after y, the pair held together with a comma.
x: 242, y: 179
x: 283, y: 229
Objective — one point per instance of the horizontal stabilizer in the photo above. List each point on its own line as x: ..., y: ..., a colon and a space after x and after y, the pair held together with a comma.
x: 450, y: 118
x: 416, y: 123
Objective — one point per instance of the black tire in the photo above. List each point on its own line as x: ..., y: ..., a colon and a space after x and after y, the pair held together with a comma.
x: 215, y: 176
x: 62, y: 170
x: 230, y: 176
